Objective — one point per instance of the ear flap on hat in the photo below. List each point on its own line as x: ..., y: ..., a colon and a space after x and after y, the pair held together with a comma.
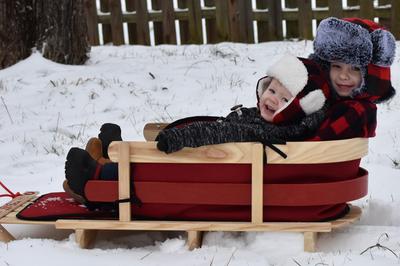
x: 384, y: 46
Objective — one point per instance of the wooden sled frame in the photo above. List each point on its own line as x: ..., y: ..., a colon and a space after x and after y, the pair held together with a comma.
x: 233, y: 153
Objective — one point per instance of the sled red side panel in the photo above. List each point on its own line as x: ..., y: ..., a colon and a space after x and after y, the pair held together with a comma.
x: 298, y: 192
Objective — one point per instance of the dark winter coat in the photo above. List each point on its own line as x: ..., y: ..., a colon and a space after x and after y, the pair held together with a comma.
x: 242, y: 125
x: 356, y: 116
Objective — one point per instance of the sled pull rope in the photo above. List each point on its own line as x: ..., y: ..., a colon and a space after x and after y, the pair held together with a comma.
x: 10, y: 193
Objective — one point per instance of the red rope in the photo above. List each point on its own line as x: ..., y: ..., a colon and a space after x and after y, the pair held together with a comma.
x: 10, y: 193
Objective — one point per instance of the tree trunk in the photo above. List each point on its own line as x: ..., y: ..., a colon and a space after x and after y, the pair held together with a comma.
x: 17, y: 32
x: 62, y: 31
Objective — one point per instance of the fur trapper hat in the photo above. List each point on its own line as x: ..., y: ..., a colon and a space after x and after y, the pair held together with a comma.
x: 305, y: 81
x: 354, y: 41
x: 362, y: 43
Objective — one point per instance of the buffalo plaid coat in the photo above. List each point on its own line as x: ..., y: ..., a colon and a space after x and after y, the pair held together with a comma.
x: 356, y: 117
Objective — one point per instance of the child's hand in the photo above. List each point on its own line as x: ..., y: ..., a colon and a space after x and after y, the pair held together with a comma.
x: 169, y: 141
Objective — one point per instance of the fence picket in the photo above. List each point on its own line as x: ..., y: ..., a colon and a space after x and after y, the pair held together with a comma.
x: 132, y: 33
x: 395, y: 22
x: 262, y: 26
x: 157, y: 25
x: 385, y: 21
x: 275, y: 20
x: 106, y: 27
x: 353, y: 3
x: 169, y: 33
x: 195, y: 28
x: 234, y: 22
x: 117, y: 32
x: 211, y: 24
x: 367, y: 9
x: 335, y: 9
x: 305, y: 20
x: 245, y: 21
x: 91, y: 13
x: 142, y: 22
x: 183, y: 24
x: 222, y: 20
x: 292, y: 26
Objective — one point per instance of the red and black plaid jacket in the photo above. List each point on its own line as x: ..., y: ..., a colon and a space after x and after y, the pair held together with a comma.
x: 351, y: 118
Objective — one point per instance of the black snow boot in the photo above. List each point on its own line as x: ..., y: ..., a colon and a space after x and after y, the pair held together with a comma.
x: 109, y: 132
x: 79, y: 168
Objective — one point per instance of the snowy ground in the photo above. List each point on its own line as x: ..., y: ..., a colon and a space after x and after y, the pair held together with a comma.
x: 46, y: 108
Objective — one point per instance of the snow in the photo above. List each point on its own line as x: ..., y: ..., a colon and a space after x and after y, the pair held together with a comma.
x: 47, y: 108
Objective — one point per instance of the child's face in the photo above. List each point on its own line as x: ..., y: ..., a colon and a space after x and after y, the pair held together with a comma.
x: 344, y: 78
x: 273, y: 99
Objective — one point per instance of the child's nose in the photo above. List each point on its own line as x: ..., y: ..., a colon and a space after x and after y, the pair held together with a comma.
x: 343, y: 75
x: 274, y: 99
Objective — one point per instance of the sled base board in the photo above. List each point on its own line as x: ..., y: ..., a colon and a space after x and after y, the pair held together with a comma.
x: 195, y: 229
x: 86, y: 230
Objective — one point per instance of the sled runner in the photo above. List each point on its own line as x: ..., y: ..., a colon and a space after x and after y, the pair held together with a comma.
x: 250, y: 201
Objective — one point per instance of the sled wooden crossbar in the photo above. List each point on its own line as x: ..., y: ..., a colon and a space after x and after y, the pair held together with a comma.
x: 233, y: 153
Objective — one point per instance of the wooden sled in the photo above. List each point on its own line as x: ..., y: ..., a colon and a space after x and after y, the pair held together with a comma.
x: 234, y: 153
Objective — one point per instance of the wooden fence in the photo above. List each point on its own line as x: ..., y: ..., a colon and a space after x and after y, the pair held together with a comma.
x: 224, y: 20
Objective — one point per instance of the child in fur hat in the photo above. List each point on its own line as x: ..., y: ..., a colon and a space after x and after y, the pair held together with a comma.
x: 291, y: 106
x: 356, y: 54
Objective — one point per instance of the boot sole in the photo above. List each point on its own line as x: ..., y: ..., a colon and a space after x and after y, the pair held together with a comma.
x: 70, y: 192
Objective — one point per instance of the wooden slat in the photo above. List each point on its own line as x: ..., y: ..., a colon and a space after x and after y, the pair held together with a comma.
x: 315, y: 150
x: 5, y: 236
x: 262, y: 26
x: 292, y: 26
x: 395, y: 21
x: 194, y: 239
x: 158, y: 25
x: 222, y: 20
x: 193, y: 226
x: 169, y: 33
x: 142, y: 22
x: 353, y: 2
x: 246, y: 21
x: 275, y: 20
x: 16, y: 202
x: 367, y: 9
x: 234, y: 21
x: 312, y: 152
x: 195, y: 28
x: 310, y: 241
x: 305, y: 19
x: 321, y: 3
x: 257, y: 184
x: 385, y: 21
x: 106, y: 27
x: 124, y: 181
x: 151, y: 130
x: 132, y: 33
x: 335, y: 9
x: 184, y: 24
x: 85, y: 237
x: 211, y: 24
x: 116, y: 22
x: 91, y: 21
x: 221, y: 153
